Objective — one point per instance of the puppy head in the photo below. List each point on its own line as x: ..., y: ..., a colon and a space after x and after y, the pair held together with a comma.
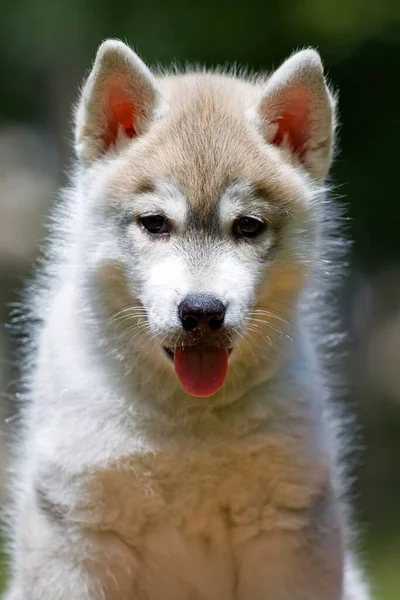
x: 201, y: 193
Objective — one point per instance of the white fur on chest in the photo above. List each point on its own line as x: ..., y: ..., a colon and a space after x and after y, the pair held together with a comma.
x: 249, y: 486
x: 184, y: 517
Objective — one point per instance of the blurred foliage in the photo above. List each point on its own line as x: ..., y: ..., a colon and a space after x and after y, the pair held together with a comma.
x: 46, y: 48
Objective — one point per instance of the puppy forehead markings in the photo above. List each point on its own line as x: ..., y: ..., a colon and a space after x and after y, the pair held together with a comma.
x: 246, y: 198
x: 202, y: 147
x: 163, y: 197
x: 236, y: 200
x: 213, y: 143
x: 203, y: 138
x: 151, y: 197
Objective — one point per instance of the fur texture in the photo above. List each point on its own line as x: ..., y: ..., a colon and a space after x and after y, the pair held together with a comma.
x: 125, y: 486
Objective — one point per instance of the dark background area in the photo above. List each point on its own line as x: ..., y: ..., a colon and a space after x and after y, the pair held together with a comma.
x: 46, y: 48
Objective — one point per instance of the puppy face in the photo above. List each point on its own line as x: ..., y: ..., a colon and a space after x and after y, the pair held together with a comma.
x: 205, y: 207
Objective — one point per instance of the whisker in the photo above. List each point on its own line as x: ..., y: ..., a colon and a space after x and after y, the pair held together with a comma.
x: 271, y: 315
x: 268, y: 324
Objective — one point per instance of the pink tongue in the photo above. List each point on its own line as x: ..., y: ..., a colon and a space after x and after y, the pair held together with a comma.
x: 201, y: 369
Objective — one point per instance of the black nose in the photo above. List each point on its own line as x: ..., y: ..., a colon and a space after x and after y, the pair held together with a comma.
x: 201, y: 311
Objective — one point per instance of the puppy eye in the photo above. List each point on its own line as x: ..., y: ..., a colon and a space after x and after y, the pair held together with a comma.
x: 248, y: 227
x: 155, y: 224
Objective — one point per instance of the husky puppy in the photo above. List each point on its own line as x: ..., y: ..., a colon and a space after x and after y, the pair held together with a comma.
x: 177, y: 443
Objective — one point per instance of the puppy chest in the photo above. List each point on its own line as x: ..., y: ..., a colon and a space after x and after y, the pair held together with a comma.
x: 240, y: 493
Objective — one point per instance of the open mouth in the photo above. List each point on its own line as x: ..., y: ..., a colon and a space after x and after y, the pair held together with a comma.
x: 170, y: 352
x: 201, y: 369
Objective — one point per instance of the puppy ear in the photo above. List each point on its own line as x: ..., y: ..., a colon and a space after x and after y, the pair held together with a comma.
x: 117, y: 103
x: 297, y: 111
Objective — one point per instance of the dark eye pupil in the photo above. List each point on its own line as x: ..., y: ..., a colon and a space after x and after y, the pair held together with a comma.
x: 154, y: 224
x: 249, y: 227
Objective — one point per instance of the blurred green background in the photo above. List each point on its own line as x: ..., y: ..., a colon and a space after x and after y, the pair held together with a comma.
x: 45, y: 49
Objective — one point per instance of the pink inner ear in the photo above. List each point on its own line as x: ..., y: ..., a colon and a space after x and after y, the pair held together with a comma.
x: 120, y: 111
x: 294, y: 120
